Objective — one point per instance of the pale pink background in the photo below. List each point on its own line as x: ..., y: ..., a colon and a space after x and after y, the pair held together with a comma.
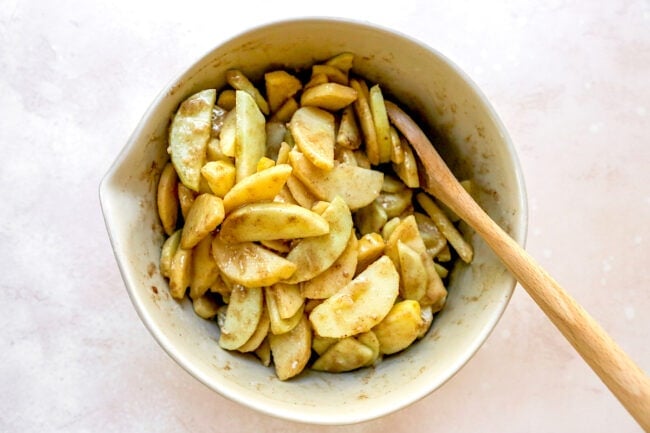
x: 569, y: 79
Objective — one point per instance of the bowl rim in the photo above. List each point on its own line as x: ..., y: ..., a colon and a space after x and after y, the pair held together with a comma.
x: 266, y: 406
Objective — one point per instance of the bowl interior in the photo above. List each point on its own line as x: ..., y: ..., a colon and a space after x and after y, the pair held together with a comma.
x: 466, y: 132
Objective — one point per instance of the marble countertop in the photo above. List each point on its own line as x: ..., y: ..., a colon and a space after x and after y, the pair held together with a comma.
x: 569, y: 80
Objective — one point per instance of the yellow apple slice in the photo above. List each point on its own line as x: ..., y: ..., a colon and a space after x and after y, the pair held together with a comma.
x: 313, y: 130
x: 167, y: 253
x: 360, y: 305
x: 242, y: 316
x: 348, y: 134
x: 281, y: 325
x: 291, y: 350
x: 204, y: 216
x: 262, y: 186
x: 280, y: 86
x: 269, y: 221
x: 413, y: 283
x: 338, y: 275
x: 167, y: 198
x: 345, y: 355
x: 249, y: 264
x: 314, y: 255
x: 380, y: 120
x: 204, y: 269
x: 288, y: 298
x: 328, y: 96
x: 220, y: 176
x: 399, y: 328
x: 369, y: 248
x: 370, y: 340
x: 189, y: 134
x: 240, y: 82
x: 250, y: 127
x: 342, y: 61
x: 343, y: 180
x: 180, y: 272
x: 259, y: 335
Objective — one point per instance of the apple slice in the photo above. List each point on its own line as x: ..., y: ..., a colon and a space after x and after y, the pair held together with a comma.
x: 262, y: 186
x: 356, y: 185
x: 313, y: 130
x: 250, y: 128
x: 314, y: 255
x: 360, y: 305
x: 414, y: 275
x: 189, y: 134
x: 329, y: 96
x: 204, y: 216
x: 345, y: 355
x: 399, y: 328
x: 291, y: 350
x: 280, y: 86
x: 242, y: 316
x: 336, y: 276
x: 249, y: 264
x: 380, y: 120
x: 269, y: 221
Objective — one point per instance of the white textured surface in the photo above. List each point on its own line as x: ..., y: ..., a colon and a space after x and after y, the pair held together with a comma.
x: 569, y: 80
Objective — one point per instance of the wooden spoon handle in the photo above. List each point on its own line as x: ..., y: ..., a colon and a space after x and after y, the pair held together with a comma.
x: 621, y: 375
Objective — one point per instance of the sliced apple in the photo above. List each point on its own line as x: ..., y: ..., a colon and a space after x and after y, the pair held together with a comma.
x: 259, y: 335
x: 413, y: 283
x: 262, y: 186
x: 189, y: 134
x: 342, y: 61
x: 362, y: 108
x: 167, y: 198
x: 243, y: 315
x: 348, y: 135
x: 370, y: 340
x: 186, y: 198
x: 280, y: 86
x: 228, y: 133
x: 240, y: 82
x: 380, y: 120
x: 204, y: 216
x: 407, y: 170
x: 321, y: 344
x: 356, y: 185
x: 180, y: 272
x: 168, y: 250
x: 250, y: 135
x: 369, y: 248
x: 249, y: 264
x: 313, y: 130
x: 281, y: 325
x: 399, y: 328
x: 314, y: 255
x: 300, y: 193
x: 288, y: 298
x: 205, y: 307
x: 361, y: 304
x: 338, y: 275
x: 269, y: 221
x: 407, y: 232
x: 220, y: 176
x: 371, y: 218
x: 328, y: 96
x: 204, y: 269
x: 291, y: 350
x: 345, y: 355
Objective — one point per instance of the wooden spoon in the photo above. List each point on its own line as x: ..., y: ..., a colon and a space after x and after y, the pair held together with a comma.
x: 621, y: 375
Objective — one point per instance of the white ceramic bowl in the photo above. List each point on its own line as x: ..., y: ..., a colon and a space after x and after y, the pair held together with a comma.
x: 476, y: 145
